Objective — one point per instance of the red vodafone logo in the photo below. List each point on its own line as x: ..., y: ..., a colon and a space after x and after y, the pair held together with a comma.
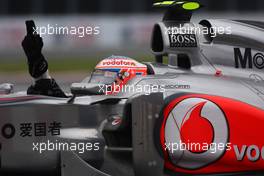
x: 118, y: 62
x: 202, y: 130
x: 190, y: 121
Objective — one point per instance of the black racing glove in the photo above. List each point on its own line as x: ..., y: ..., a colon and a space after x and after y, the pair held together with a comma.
x: 47, y: 87
x: 32, y: 45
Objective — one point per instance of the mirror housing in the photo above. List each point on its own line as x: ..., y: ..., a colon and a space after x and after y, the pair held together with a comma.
x: 87, y: 89
x: 6, y: 88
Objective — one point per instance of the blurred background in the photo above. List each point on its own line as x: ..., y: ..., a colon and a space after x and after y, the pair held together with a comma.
x: 125, y: 29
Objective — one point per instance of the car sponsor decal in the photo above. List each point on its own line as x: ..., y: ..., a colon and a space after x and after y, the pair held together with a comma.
x: 28, y: 129
x: 219, y: 135
x: 182, y: 40
x: 247, y: 59
x: 120, y: 63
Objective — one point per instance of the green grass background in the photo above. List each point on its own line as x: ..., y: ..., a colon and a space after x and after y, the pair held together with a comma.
x: 60, y: 64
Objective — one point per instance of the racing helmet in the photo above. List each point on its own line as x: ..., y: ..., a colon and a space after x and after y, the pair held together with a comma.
x: 117, y: 71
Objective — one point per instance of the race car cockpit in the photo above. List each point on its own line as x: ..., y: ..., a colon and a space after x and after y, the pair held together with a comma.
x: 110, y: 75
x: 114, y: 71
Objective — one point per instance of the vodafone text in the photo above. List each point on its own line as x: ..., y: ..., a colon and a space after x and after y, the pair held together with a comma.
x: 252, y: 153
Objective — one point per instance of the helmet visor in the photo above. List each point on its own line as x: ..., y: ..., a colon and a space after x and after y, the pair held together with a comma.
x: 103, y: 77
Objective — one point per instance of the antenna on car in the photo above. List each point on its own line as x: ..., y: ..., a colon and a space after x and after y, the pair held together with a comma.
x: 71, y: 100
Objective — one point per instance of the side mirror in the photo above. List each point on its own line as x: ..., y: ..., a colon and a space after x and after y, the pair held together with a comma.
x: 87, y: 89
x: 6, y: 88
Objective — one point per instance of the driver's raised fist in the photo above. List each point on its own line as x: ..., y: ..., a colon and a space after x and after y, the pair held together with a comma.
x: 32, y: 45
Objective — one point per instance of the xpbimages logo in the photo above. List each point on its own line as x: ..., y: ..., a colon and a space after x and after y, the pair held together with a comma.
x: 79, y: 147
x: 80, y: 31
